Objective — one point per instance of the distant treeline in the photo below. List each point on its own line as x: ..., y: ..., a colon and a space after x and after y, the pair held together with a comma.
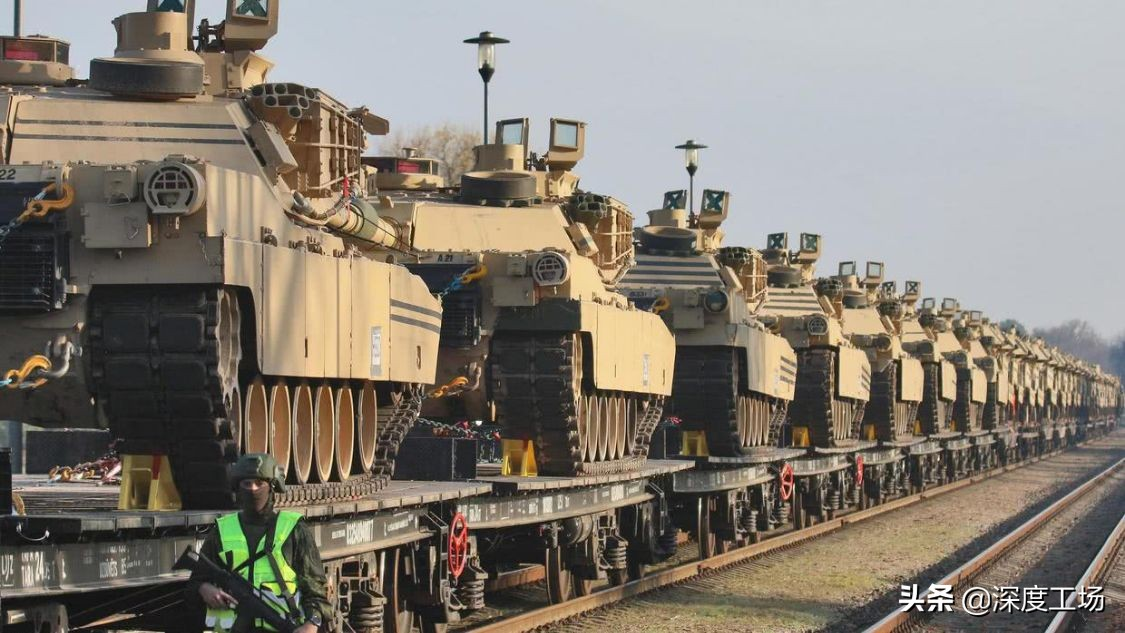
x: 1079, y: 338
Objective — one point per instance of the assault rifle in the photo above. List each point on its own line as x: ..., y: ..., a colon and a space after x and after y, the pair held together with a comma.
x: 252, y: 605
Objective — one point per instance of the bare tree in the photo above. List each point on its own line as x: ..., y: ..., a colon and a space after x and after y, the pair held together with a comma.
x: 451, y: 143
x: 1008, y: 324
x: 1117, y: 357
x: 1079, y: 338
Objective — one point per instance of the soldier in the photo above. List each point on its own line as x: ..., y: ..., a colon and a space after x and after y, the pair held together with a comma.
x: 286, y: 565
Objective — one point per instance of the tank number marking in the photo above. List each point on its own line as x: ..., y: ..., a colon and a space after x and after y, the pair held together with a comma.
x: 644, y: 370
x: 376, y: 352
x: 8, y: 174
x: 445, y: 258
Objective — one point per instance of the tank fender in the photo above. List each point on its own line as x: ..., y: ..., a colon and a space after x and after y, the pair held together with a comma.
x: 948, y: 381
x: 980, y: 385
x: 771, y: 365
x: 632, y: 349
x: 910, y: 379
x: 853, y: 374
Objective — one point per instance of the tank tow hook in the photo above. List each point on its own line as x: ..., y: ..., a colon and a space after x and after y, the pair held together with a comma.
x: 39, y: 207
x: 37, y: 369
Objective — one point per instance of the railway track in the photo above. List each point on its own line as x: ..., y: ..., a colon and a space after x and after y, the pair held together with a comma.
x: 689, y: 571
x: 1107, y: 570
x: 1045, y: 551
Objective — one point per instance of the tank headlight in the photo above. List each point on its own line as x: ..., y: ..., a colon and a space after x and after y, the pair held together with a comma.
x: 550, y: 269
x: 173, y: 188
x: 817, y: 326
x: 716, y: 301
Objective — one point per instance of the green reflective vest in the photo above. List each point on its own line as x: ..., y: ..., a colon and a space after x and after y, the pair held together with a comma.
x: 234, y: 551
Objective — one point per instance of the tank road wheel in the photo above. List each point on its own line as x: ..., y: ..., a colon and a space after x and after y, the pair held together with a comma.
x: 621, y: 406
x: 594, y: 426
x: 582, y: 418
x: 345, y: 433
x: 367, y: 427
x: 303, y: 436
x: 604, y: 428
x: 256, y: 419
x: 398, y: 615
x: 324, y: 435
x: 281, y: 426
x: 560, y: 581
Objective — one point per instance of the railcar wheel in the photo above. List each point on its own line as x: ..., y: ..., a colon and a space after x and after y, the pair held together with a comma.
x: 398, y: 616
x: 560, y: 580
x: 709, y: 543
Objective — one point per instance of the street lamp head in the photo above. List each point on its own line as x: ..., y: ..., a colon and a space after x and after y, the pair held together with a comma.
x: 486, y: 53
x: 691, y: 155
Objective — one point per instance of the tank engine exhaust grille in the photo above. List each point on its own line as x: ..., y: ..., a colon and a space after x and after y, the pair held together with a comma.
x: 460, y: 319
x: 460, y: 309
x: 33, y: 264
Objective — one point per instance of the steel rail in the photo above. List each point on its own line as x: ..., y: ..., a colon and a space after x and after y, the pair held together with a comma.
x: 900, y: 620
x: 545, y: 616
x: 1093, y: 574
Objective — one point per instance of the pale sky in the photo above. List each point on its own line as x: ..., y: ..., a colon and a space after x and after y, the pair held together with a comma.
x: 976, y: 146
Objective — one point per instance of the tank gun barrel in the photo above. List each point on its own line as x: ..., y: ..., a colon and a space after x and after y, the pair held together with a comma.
x: 352, y: 217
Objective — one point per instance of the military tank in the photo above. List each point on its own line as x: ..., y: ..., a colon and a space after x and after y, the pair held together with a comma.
x: 871, y: 316
x: 833, y: 376
x: 534, y: 334
x: 199, y: 235
x: 972, y: 385
x: 939, y: 375
x: 997, y: 406
x: 733, y: 378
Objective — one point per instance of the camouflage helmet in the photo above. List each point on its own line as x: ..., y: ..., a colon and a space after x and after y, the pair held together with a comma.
x: 258, y: 466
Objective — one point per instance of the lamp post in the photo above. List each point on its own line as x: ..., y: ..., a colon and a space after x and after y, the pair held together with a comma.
x: 486, y: 65
x: 691, y: 161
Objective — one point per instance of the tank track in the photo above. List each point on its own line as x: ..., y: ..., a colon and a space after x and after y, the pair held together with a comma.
x: 892, y: 417
x: 815, y: 404
x: 964, y: 409
x: 646, y: 426
x: 934, y: 414
x: 532, y: 378
x: 154, y: 359
x: 880, y: 409
x: 394, y: 422
x: 706, y: 389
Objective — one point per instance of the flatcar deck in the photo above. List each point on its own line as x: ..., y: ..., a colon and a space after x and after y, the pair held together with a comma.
x: 509, y: 484
x: 528, y: 500
x: 82, y: 508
